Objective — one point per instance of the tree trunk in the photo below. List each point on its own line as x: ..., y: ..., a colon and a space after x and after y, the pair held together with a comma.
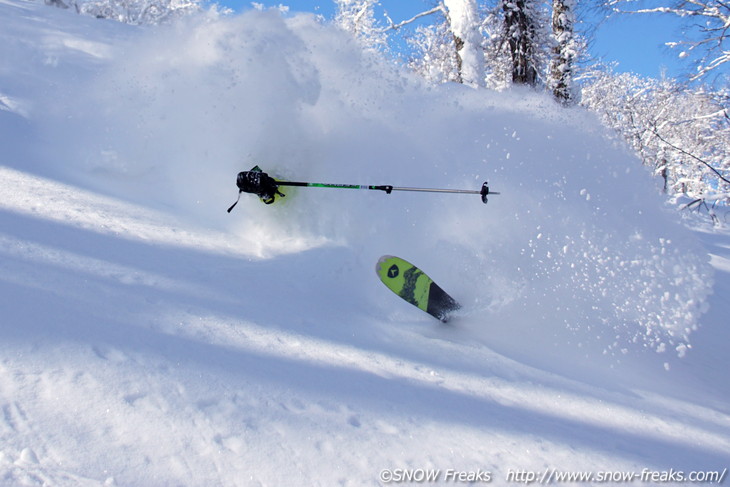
x: 463, y: 17
x: 561, y: 66
x: 520, y: 36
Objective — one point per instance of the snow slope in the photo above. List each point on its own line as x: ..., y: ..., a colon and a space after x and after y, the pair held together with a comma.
x: 149, y: 338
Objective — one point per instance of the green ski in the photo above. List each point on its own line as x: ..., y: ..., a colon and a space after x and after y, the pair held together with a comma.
x: 413, y: 285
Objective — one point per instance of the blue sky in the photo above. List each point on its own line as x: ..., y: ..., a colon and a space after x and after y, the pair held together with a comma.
x: 636, y: 43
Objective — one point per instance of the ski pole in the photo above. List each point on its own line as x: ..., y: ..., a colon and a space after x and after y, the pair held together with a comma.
x: 265, y: 187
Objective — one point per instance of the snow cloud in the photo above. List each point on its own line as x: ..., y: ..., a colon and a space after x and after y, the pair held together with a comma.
x: 577, y: 248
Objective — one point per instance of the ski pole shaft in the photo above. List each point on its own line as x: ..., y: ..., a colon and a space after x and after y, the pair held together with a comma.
x: 437, y: 190
x: 385, y: 188
x: 388, y: 188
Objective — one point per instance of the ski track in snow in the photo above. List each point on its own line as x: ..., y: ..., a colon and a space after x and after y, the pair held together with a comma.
x: 149, y: 339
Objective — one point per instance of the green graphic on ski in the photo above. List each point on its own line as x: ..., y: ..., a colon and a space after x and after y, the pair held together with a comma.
x: 413, y: 285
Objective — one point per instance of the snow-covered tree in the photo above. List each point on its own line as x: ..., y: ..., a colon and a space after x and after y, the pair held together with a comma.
x: 520, y: 35
x: 498, y: 60
x: 450, y: 49
x: 137, y: 11
x: 358, y: 17
x: 682, y: 134
x: 532, y: 42
x: 564, y: 51
x: 464, y: 23
x: 508, y: 44
x: 433, y: 53
x: 489, y: 43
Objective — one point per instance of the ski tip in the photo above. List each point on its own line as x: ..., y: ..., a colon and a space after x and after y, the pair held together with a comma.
x: 381, y: 261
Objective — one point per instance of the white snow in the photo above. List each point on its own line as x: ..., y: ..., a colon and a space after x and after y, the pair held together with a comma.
x: 149, y: 338
x: 464, y: 22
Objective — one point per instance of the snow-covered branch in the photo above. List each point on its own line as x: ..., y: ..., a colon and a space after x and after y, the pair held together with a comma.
x: 395, y: 26
x: 688, y: 154
x: 137, y: 11
x: 682, y: 134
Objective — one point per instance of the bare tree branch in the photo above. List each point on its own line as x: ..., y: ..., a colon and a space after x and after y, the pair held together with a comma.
x: 698, y: 159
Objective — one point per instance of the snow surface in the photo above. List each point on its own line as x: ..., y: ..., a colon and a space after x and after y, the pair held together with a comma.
x: 149, y: 338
